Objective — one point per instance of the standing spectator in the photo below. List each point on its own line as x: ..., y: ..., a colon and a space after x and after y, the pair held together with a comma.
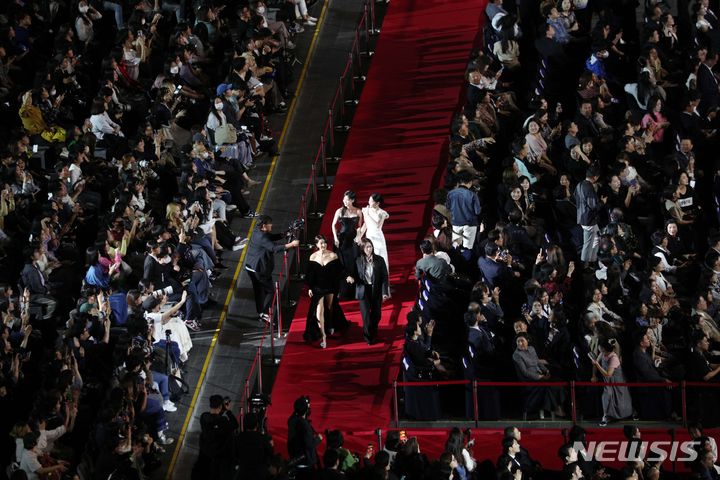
x: 588, y: 210
x: 464, y: 205
x: 216, y: 434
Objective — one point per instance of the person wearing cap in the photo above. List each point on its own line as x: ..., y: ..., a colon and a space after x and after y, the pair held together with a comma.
x: 260, y: 263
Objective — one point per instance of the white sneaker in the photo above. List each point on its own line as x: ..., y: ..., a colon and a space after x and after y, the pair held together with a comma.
x: 230, y: 207
x: 240, y: 245
x: 169, y: 406
x: 163, y: 440
x: 312, y: 19
x: 310, y: 23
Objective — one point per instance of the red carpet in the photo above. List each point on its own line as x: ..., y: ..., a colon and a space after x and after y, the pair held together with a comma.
x: 394, y: 148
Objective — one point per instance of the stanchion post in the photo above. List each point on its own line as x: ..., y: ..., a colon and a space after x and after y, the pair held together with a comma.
x: 683, y: 394
x: 300, y: 275
x: 259, y: 364
x: 356, y: 48
x: 323, y: 168
x: 373, y: 30
x: 286, y: 268
x: 325, y: 185
x: 573, y: 405
x: 279, y: 309
x: 368, y: 52
x: 242, y: 419
x: 395, y: 393
x: 476, y: 410
x: 351, y: 70
x: 331, y: 130
x: 247, y: 392
x: 314, y: 191
x: 341, y: 95
x: 345, y: 127
x: 272, y: 337
x: 304, y: 213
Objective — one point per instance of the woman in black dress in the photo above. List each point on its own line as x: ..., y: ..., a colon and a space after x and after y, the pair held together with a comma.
x: 345, y: 226
x: 324, y: 273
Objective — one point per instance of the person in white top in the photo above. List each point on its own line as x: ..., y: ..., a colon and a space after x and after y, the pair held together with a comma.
x: 30, y: 464
x: 374, y: 217
x: 84, y: 22
x: 161, y: 322
x: 46, y: 439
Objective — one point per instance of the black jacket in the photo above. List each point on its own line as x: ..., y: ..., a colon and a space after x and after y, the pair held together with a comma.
x: 302, y: 440
x: 216, y: 432
x: 380, y: 276
x: 588, y: 204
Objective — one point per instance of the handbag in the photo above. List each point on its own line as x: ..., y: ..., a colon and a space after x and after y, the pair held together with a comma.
x: 225, y: 134
x: 359, y: 291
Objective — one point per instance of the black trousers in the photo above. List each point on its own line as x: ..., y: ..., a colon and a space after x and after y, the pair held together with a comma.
x: 371, y: 311
x: 263, y: 288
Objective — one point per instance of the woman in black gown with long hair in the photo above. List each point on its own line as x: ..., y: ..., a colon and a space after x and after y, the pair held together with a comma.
x: 323, y: 277
x: 345, y: 226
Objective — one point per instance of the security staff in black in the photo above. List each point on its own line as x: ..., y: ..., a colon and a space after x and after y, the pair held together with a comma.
x: 260, y: 263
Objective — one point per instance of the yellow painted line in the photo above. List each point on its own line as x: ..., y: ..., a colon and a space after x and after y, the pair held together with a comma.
x: 238, y: 267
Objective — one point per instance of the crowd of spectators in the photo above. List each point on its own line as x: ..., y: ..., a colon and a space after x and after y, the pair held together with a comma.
x: 129, y: 134
x: 228, y: 451
x: 578, y: 234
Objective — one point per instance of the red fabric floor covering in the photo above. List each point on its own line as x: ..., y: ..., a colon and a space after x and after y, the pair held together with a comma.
x: 394, y: 148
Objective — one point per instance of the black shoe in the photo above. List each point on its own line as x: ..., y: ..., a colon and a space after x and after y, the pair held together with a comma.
x: 210, y: 303
x: 220, y: 266
x: 251, y: 214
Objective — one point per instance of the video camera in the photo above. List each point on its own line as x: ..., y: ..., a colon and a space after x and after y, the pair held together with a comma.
x: 294, y: 229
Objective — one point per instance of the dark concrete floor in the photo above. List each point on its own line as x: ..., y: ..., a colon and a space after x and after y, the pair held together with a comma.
x: 225, y: 370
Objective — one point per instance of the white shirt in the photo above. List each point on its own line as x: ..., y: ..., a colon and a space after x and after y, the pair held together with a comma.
x: 101, y: 124
x: 30, y: 464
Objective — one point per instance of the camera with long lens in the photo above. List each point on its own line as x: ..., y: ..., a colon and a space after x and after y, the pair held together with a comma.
x: 294, y: 229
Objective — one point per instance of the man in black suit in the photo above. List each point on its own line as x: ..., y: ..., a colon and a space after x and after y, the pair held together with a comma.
x: 260, y: 263
x: 370, y: 277
x: 707, y: 84
x: 36, y: 283
x: 495, y: 266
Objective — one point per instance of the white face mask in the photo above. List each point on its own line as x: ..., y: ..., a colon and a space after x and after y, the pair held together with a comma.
x: 205, y: 155
x: 83, y: 8
x: 261, y: 10
x: 53, y: 92
x: 175, y: 70
x: 218, y: 106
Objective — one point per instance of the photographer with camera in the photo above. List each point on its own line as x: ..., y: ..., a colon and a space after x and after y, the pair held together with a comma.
x: 215, y: 459
x: 302, y: 438
x: 260, y: 263
x: 253, y: 449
